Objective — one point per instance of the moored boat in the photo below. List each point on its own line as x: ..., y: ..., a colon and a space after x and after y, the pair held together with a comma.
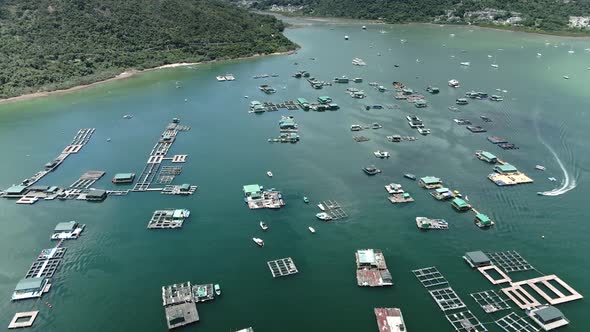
x: 454, y: 83
x: 263, y: 225
x: 323, y: 216
x: 269, y: 173
x: 381, y: 154
x: 258, y: 241
x: 305, y: 199
x: 410, y: 176
x: 217, y: 289
x: 371, y: 170
x: 540, y: 168
x: 427, y: 223
x: 311, y: 229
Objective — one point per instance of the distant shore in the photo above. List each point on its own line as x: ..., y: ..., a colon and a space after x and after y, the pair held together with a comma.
x: 346, y: 20
x: 128, y: 74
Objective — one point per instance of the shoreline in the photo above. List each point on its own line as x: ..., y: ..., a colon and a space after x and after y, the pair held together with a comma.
x: 346, y: 20
x: 129, y: 74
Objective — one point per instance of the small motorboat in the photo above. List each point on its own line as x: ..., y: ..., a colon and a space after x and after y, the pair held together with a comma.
x: 217, y: 289
x: 323, y: 216
x: 381, y: 154
x: 305, y: 199
x: 269, y: 173
x: 410, y: 176
x: 108, y: 139
x: 127, y: 116
x: 540, y: 168
x: 311, y: 229
x: 552, y: 179
x: 263, y: 225
x: 258, y: 241
x: 566, y: 77
x: 466, y: 64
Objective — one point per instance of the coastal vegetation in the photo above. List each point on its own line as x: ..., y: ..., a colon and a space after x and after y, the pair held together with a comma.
x: 538, y: 15
x: 48, y: 45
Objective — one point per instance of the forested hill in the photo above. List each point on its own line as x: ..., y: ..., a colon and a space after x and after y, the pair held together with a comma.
x: 539, y: 15
x: 55, y: 44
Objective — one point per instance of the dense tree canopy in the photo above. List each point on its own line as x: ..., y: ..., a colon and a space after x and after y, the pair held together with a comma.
x: 542, y: 15
x: 54, y: 44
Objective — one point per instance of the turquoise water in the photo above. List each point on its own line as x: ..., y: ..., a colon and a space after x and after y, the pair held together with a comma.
x: 111, y: 277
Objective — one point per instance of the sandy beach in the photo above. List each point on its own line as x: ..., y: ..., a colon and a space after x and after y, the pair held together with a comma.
x: 128, y: 74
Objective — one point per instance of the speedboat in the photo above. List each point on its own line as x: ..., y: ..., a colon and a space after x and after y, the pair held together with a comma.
x: 220, y: 78
x: 552, y: 179
x: 269, y: 173
x: 217, y: 289
x: 466, y: 64
x: 424, y: 131
x: 323, y: 216
x: 566, y: 77
x: 258, y: 241
x: 540, y: 168
x: 311, y: 229
x: 229, y: 77
x: 127, y: 116
x: 263, y: 225
x: 381, y: 154
x: 454, y: 83
x: 494, y: 65
x: 371, y: 170
x: 305, y: 199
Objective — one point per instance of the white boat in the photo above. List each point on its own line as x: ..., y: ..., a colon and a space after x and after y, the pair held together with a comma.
x: 258, y: 241
x: 539, y: 55
x: 229, y: 77
x: 311, y: 229
x: 489, y: 55
x: 263, y: 225
x: 220, y: 78
x: 454, y: 83
x: 552, y: 179
x: 127, y: 116
x: 566, y: 77
x: 424, y: 131
x: 466, y: 64
x: 364, y: 27
x: 323, y: 216
x: 381, y: 154
x: 494, y: 65
x: 269, y: 173
x: 452, y: 35
x: 540, y: 168
x: 217, y: 289
x: 345, y: 37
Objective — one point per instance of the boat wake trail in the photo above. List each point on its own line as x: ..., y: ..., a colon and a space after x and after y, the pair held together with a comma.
x: 568, y: 182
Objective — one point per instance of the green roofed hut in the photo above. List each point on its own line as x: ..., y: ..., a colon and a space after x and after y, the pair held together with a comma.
x: 477, y: 259
x: 253, y: 191
x: 505, y: 169
x: 124, y: 178
x: 65, y: 227
x: 460, y: 205
x: 486, y: 156
x: 324, y: 99
x: 29, y: 288
x: 548, y: 317
x: 483, y: 221
x: 15, y: 191
x: 303, y: 103
x: 430, y: 182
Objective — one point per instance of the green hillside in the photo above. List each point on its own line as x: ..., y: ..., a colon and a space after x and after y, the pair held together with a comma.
x: 54, y: 44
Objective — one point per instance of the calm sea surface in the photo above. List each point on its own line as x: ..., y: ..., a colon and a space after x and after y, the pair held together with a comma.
x: 110, y: 279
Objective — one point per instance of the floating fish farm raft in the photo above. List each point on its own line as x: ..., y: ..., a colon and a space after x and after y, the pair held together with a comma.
x: 371, y: 269
x: 282, y: 267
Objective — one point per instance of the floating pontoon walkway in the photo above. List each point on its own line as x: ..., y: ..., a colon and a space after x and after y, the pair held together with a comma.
x: 490, y: 301
x: 510, y: 261
x: 524, y: 300
x: 430, y: 277
x: 81, y: 138
x: 23, y: 319
x: 514, y: 323
x: 504, y: 278
x: 282, y: 267
x: 333, y: 208
x: 87, y: 180
x: 465, y: 321
x: 157, y: 155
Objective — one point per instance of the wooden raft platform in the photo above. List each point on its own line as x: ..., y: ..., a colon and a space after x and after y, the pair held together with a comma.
x: 525, y: 300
